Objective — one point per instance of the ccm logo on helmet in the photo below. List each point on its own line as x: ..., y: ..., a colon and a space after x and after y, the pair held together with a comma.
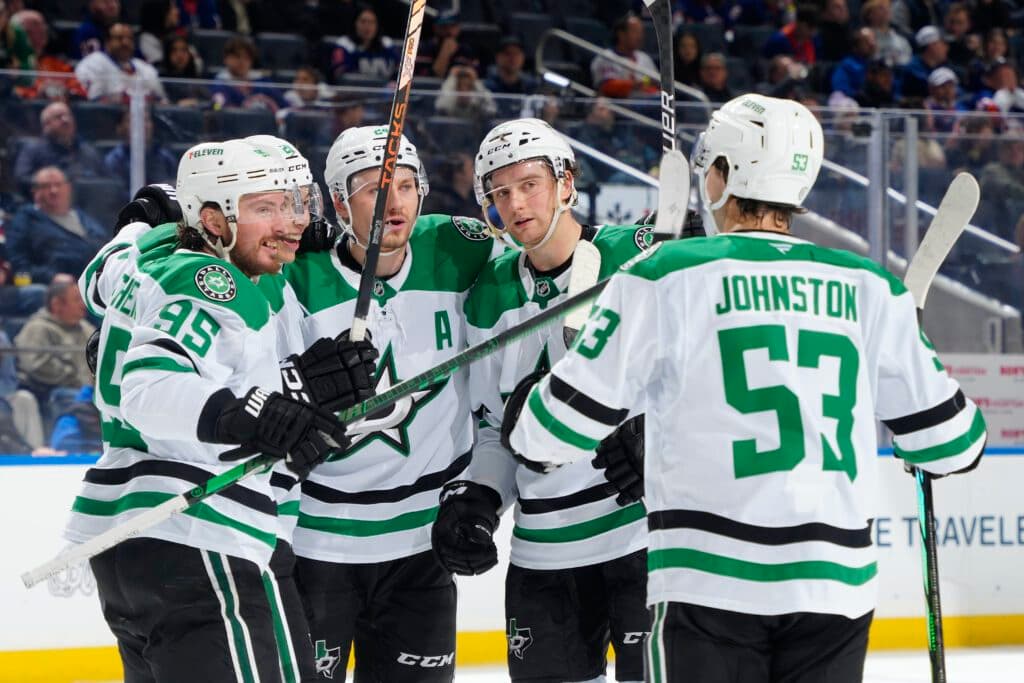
x: 427, y: 662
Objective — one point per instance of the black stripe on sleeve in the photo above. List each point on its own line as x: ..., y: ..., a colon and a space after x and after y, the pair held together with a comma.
x: 100, y: 303
x: 175, y: 348
x: 751, y: 533
x: 429, y: 482
x: 179, y: 470
x: 537, y: 506
x: 928, y: 418
x: 585, y: 405
x: 279, y: 480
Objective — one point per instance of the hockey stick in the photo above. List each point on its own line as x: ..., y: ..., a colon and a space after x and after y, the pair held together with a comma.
x: 136, y: 525
x: 399, y: 108
x: 951, y: 219
x: 586, y: 267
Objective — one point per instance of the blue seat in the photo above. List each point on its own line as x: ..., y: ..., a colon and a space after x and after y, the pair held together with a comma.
x: 308, y: 128
x: 282, y: 50
x: 238, y: 123
x: 210, y: 44
x: 178, y: 124
x: 101, y: 198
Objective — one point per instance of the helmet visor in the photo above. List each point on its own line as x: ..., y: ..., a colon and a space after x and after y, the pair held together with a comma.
x: 275, y: 205
x: 530, y: 179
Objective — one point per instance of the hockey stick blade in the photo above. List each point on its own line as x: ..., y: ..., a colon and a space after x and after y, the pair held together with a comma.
x: 951, y: 219
x: 586, y: 267
x: 399, y: 107
x: 673, y: 194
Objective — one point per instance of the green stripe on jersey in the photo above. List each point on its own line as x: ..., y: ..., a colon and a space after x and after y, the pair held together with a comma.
x: 951, y: 448
x: 272, y: 286
x: 281, y: 635
x: 687, y: 558
x: 583, y: 530
x: 557, y: 428
x: 232, y: 613
x: 151, y: 499
x: 156, y: 363
x: 368, y: 527
x: 290, y: 508
x: 676, y: 255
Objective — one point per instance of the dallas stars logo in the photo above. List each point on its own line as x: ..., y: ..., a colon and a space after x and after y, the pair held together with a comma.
x: 327, y: 660
x: 390, y: 425
x: 519, y: 639
x: 215, y: 282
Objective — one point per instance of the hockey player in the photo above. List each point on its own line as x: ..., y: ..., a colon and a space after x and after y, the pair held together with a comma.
x: 763, y: 361
x: 365, y: 568
x: 578, y: 567
x: 182, y: 334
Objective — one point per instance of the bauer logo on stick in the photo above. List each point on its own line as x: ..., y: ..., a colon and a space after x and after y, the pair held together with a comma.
x: 216, y: 283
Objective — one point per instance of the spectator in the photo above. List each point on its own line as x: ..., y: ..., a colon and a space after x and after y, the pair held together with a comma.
x: 159, y: 20
x: 546, y: 107
x: 62, y: 85
x: 714, y: 77
x: 349, y: 112
x: 238, y: 84
x: 934, y: 51
x: 1003, y: 179
x: 724, y: 12
x: 910, y: 16
x: 611, y: 79
x: 111, y: 75
x: 444, y: 49
x: 308, y: 90
x: 848, y: 77
x: 994, y: 47
x: 77, y: 429
x: 453, y: 194
x: 892, y: 47
x: 973, y: 143
x: 182, y: 61
x: 687, y: 58
x: 365, y: 51
x: 462, y: 94
x: 964, y: 45
x: 91, y: 34
x: 990, y: 14
x: 1008, y: 95
x: 56, y: 376
x: 879, y: 89
x: 61, y: 146
x: 199, y: 14
x: 796, y: 38
x: 50, y: 236
x: 941, y: 104
x: 604, y: 133
x: 21, y: 404
x: 161, y: 163
x: 783, y: 74
x: 507, y: 77
x: 833, y: 42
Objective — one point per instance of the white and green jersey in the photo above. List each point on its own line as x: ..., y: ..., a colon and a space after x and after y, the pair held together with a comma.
x: 177, y: 328
x: 377, y: 503
x: 763, y: 362
x: 567, y: 518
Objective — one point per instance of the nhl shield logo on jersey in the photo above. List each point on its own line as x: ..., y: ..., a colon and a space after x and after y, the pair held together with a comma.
x: 471, y: 228
x: 644, y: 237
x: 327, y: 659
x: 519, y: 639
x: 215, y: 282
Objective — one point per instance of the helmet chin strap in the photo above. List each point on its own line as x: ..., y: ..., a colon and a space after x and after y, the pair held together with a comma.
x: 708, y: 207
x: 216, y: 243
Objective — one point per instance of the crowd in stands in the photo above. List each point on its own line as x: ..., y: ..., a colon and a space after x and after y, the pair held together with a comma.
x: 211, y: 69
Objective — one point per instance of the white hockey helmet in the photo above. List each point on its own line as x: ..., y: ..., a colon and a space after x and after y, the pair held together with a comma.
x: 358, y: 149
x: 774, y: 149
x: 221, y: 173
x: 297, y: 167
x: 519, y: 140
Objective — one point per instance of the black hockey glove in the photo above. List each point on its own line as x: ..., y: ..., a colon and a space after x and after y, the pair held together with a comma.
x: 271, y: 424
x: 513, y: 408
x: 92, y: 350
x: 153, y: 204
x: 693, y: 227
x: 621, y: 456
x: 462, y: 535
x: 332, y: 373
x: 319, y: 235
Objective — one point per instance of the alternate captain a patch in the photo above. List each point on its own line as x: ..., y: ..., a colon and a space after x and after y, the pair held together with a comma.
x: 215, y: 282
x: 472, y: 229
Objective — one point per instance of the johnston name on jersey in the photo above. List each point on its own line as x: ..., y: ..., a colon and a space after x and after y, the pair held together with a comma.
x: 378, y: 501
x: 567, y: 518
x: 763, y: 362
x: 177, y: 326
